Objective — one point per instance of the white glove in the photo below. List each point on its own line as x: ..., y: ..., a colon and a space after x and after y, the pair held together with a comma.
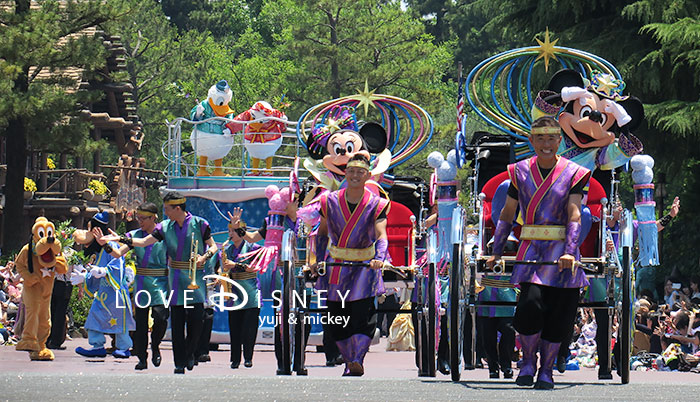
x: 77, y: 277
x: 226, y: 132
x: 570, y: 93
x: 98, y: 272
x: 200, y: 111
x: 129, y: 276
x: 618, y: 111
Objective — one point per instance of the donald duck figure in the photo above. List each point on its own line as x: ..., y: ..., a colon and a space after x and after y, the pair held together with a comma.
x: 211, y: 139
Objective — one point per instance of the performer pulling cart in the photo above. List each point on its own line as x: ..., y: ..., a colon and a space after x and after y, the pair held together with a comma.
x: 549, y: 190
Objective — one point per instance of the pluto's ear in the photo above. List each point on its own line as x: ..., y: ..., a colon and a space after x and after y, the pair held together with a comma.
x: 565, y: 78
x: 374, y: 136
x: 635, y: 109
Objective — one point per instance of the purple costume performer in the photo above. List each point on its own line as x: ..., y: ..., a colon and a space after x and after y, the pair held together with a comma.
x: 352, y: 238
x: 549, y: 297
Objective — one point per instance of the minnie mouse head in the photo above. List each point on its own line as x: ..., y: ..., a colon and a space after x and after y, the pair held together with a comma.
x: 339, y: 139
x: 596, y: 112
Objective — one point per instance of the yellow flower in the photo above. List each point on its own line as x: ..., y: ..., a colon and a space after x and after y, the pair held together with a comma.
x: 50, y: 163
x: 97, y: 187
x: 29, y: 184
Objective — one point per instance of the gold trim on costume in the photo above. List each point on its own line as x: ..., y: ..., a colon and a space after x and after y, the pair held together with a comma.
x: 352, y: 254
x: 242, y: 275
x: 543, y: 232
x: 545, y: 130
x: 177, y: 201
x: 152, y: 271
x: 358, y: 164
x: 182, y: 265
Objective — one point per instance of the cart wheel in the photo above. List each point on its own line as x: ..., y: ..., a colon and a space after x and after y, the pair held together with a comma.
x: 284, y: 319
x: 625, y: 325
x: 457, y: 294
x: 432, y: 324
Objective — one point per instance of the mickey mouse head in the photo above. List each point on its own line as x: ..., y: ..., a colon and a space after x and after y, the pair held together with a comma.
x: 593, y: 114
x: 339, y: 139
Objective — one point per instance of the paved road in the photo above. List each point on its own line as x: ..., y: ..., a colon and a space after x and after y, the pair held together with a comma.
x: 390, y: 376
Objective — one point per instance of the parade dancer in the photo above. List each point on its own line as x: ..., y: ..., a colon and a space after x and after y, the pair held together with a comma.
x: 186, y: 305
x: 242, y: 322
x: 107, y: 282
x: 150, y: 285
x: 549, y: 190
x: 355, y: 221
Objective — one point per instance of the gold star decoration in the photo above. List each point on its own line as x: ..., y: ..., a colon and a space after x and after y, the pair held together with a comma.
x: 606, y: 84
x: 366, y: 98
x: 546, y: 49
x: 113, y: 322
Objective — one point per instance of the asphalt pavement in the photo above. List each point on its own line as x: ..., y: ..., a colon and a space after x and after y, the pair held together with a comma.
x: 390, y: 376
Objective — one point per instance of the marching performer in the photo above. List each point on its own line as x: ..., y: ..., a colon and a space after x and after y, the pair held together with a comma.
x: 242, y: 322
x: 150, y: 285
x: 181, y: 232
x: 549, y: 190
x: 355, y: 221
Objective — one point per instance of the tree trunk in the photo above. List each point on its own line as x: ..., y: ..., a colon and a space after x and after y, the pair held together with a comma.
x: 335, y: 78
x: 16, y: 156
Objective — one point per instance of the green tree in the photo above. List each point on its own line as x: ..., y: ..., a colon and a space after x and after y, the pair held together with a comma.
x: 338, y: 44
x: 43, y: 112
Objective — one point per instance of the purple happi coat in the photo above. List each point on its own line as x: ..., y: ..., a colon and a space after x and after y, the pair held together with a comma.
x: 351, y: 230
x: 543, y: 201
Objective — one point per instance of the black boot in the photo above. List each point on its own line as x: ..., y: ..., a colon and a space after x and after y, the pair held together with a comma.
x: 142, y: 364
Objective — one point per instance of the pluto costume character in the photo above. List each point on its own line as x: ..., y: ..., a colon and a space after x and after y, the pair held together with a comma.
x: 212, y: 140
x: 37, y: 263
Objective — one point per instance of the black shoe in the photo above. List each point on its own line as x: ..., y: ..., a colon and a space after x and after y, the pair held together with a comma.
x: 544, y: 385
x: 605, y: 375
x: 248, y: 363
x: 330, y: 363
x: 561, y: 364
x: 508, y: 373
x: 339, y: 360
x: 479, y: 365
x: 234, y: 365
x: 282, y: 372
x: 468, y: 366
x: 525, y: 380
x: 494, y: 374
x: 179, y: 370
x: 142, y: 364
x: 204, y: 358
x: 155, y: 359
x: 191, y: 363
x: 54, y: 347
x: 444, y: 367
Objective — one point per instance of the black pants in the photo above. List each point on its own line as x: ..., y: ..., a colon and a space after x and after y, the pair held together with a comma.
x: 243, y: 329
x: 498, y: 353
x: 363, y: 318
x: 330, y: 349
x: 59, y: 305
x: 205, y: 337
x: 391, y: 303
x: 547, y: 309
x: 140, y: 335
x: 443, y: 352
x: 296, y: 352
x: 601, y: 335
x: 467, y: 339
x: 193, y: 316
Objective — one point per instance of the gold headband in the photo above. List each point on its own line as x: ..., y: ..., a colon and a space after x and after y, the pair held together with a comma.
x: 359, y: 164
x: 177, y: 201
x: 241, y: 225
x: 545, y: 130
x: 144, y: 213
